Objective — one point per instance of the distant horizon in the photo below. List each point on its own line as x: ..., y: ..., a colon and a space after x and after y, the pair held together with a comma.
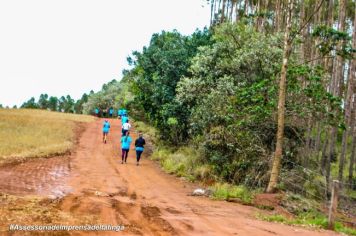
x: 70, y: 48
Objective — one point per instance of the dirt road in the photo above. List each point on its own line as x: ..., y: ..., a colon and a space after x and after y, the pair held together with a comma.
x: 148, y: 201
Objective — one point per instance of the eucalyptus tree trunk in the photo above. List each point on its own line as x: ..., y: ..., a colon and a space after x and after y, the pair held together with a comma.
x: 272, y: 185
x: 212, y: 2
x: 328, y: 65
x: 302, y: 59
x: 318, y: 140
x: 331, y: 155
x: 352, y: 157
x: 314, y: 54
x: 246, y: 7
x: 222, y: 19
x: 304, y: 31
x: 232, y: 4
x: 324, y: 155
x: 218, y: 12
x: 329, y: 22
x: 215, y: 11
x: 237, y: 11
x: 258, y: 19
x: 339, y: 82
x: 348, y: 116
x: 308, y: 141
x: 335, y: 88
x: 265, y: 10
x: 330, y: 13
x: 339, y: 59
x: 353, y: 145
x: 352, y: 76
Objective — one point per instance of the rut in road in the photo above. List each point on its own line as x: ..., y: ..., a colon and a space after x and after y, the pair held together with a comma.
x: 147, y: 201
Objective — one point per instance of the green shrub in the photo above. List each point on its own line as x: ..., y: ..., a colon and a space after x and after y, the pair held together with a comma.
x: 312, y: 218
x: 182, y: 162
x: 226, y: 191
x: 273, y: 218
x: 342, y: 229
x: 204, y: 172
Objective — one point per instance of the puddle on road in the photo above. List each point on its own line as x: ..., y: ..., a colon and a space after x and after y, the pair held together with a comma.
x: 43, y: 176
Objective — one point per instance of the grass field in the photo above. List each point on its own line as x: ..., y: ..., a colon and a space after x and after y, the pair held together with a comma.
x: 36, y: 133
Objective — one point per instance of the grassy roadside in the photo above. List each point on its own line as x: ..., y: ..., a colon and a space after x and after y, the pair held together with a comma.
x: 312, y: 219
x: 36, y: 133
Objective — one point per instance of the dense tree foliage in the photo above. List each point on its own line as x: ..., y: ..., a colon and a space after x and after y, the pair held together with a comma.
x: 157, y: 70
x: 232, y: 97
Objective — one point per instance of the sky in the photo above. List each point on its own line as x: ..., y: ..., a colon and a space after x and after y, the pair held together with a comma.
x: 62, y: 47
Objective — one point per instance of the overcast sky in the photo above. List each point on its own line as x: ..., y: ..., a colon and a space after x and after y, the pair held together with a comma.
x: 64, y: 47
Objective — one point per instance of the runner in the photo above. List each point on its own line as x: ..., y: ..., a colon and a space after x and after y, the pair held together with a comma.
x: 125, y: 147
x: 125, y: 128
x: 139, y: 144
x: 124, y: 119
x: 106, y: 129
x: 96, y: 111
x: 124, y: 112
x: 119, y: 113
x: 111, y: 112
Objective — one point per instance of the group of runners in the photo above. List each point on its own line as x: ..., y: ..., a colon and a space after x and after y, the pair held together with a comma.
x: 109, y: 113
x: 126, y: 140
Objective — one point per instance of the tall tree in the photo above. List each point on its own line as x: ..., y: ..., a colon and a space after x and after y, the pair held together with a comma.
x: 272, y: 185
x: 53, y: 103
x: 43, y: 101
x: 349, y: 95
x: 352, y: 77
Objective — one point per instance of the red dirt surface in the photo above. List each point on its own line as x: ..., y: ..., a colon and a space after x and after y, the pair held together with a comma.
x: 148, y: 201
x: 43, y: 176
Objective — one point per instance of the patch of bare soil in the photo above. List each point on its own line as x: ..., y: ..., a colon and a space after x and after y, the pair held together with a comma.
x: 44, y: 176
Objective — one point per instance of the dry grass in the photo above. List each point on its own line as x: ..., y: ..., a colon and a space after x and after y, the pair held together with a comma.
x: 35, y: 133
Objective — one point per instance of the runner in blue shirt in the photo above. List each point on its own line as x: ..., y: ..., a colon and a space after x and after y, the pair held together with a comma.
x: 124, y: 119
x: 111, y: 112
x: 119, y: 113
x: 106, y: 129
x: 125, y: 147
x: 97, y: 112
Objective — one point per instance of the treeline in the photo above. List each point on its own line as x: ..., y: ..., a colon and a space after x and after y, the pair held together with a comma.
x: 61, y: 104
x: 112, y: 94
